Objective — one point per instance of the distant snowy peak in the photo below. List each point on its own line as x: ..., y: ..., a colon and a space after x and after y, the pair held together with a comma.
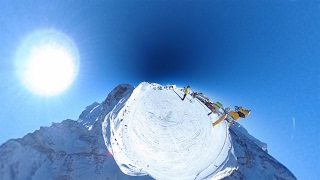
x: 240, y: 131
x: 116, y: 94
x: 50, y: 153
x: 253, y: 160
x: 89, y: 115
x: 95, y: 112
x: 113, y: 98
x: 66, y: 150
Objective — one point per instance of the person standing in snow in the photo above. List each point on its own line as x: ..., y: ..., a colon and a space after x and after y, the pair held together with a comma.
x: 186, y: 91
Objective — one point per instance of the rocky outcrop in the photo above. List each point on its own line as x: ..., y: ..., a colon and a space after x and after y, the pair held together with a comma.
x: 253, y: 160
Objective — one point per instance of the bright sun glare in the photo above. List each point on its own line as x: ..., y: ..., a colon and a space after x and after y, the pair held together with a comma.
x: 47, y: 62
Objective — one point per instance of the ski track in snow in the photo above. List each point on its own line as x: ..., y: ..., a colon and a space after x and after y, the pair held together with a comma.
x: 157, y: 133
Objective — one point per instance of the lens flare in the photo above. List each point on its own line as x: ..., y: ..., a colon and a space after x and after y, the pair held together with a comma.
x: 47, y: 61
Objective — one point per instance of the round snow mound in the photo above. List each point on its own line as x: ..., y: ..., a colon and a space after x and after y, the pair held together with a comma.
x: 154, y: 132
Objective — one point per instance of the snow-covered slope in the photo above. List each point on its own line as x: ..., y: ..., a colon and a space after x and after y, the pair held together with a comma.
x: 155, y: 132
x: 253, y: 160
x: 149, y: 133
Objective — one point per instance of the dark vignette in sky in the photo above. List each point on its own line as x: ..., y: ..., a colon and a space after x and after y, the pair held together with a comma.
x: 166, y: 45
x: 167, y: 51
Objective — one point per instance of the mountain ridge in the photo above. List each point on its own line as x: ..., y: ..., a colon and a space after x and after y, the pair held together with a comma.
x: 84, y: 154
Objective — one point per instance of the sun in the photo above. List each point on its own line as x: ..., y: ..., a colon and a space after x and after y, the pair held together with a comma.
x: 47, y: 62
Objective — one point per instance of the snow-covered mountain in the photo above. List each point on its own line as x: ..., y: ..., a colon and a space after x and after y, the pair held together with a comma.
x: 146, y: 132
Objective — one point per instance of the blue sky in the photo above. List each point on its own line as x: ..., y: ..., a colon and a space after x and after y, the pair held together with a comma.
x: 263, y: 55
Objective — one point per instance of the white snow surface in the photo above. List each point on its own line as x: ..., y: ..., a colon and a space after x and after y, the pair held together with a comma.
x: 154, y: 132
x: 151, y: 134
